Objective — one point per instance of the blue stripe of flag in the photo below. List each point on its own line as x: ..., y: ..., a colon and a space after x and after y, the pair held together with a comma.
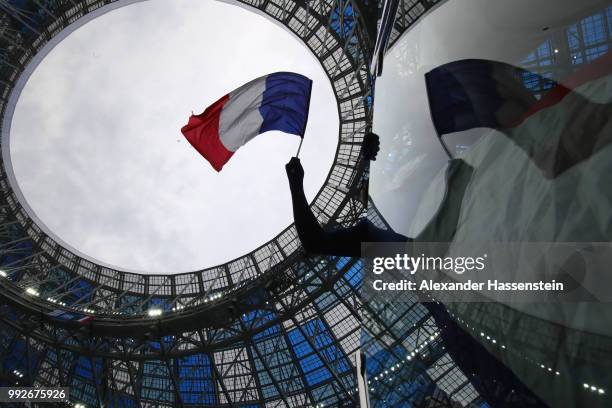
x: 474, y: 93
x: 285, y: 103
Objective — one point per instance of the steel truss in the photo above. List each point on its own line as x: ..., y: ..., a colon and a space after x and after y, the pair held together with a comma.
x: 408, y: 12
x: 331, y: 31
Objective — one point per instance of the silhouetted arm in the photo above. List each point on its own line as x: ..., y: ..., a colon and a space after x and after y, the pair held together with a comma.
x: 340, y: 242
x: 316, y: 240
x: 313, y: 238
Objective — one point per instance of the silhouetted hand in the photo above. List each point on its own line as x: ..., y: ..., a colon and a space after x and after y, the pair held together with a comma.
x: 371, y: 146
x: 295, y: 172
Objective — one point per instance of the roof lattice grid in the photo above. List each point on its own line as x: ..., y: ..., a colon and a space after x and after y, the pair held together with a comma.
x: 331, y: 31
x: 286, y: 345
x: 408, y: 12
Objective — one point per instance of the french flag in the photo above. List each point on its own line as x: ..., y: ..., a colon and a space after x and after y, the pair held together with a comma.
x: 278, y: 101
x: 475, y: 93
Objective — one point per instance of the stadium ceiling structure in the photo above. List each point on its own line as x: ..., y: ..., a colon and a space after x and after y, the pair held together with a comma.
x: 272, y: 328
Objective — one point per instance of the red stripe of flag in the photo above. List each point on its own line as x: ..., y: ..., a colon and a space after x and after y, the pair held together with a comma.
x: 202, y: 131
x: 599, y: 68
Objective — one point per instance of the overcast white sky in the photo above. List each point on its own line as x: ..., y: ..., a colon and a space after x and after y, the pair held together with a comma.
x: 97, y: 149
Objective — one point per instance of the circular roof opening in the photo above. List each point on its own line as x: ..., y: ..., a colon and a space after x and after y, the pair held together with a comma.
x: 97, y: 152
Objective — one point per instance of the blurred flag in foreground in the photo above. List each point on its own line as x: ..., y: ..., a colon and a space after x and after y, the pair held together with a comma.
x: 557, y: 131
x: 277, y: 101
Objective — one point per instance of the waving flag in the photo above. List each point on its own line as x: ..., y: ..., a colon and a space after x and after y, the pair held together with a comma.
x: 277, y: 101
x: 480, y: 93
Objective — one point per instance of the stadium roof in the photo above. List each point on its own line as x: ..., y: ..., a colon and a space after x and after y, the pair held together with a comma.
x: 271, y: 328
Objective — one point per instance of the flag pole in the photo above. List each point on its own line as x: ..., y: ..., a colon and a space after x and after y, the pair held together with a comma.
x: 299, y: 147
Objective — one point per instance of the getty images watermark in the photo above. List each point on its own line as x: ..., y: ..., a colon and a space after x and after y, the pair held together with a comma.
x: 481, y: 272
